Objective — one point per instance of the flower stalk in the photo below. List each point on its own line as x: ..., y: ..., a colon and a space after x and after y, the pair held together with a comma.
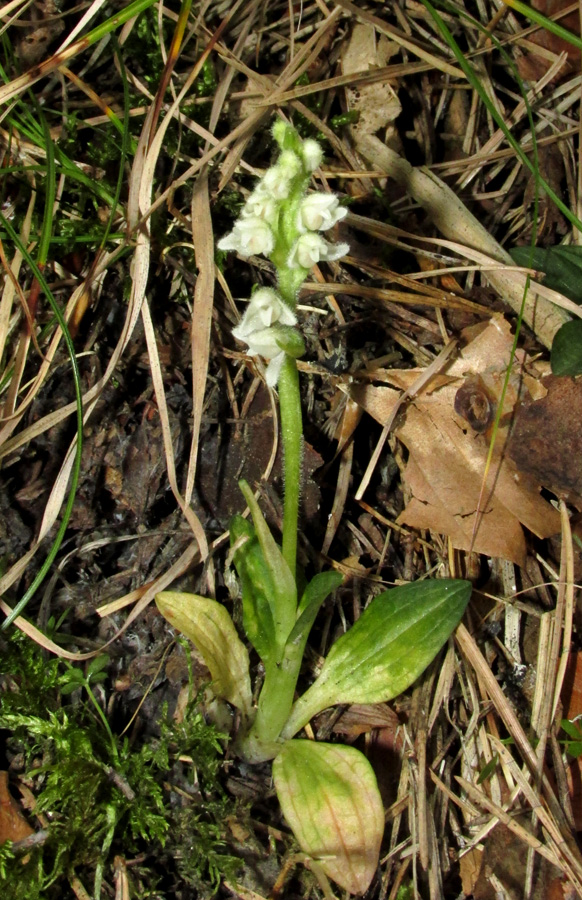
x: 283, y: 222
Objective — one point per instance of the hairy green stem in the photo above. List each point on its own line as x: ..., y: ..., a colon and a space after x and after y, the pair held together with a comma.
x: 292, y: 434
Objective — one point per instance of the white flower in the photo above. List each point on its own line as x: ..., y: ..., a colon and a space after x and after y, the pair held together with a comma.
x: 311, y: 248
x: 318, y: 212
x: 265, y: 309
x: 277, y: 180
x: 249, y: 236
x: 263, y: 328
x: 312, y: 154
x: 261, y: 205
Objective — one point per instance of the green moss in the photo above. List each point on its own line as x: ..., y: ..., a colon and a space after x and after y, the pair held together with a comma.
x: 100, y: 795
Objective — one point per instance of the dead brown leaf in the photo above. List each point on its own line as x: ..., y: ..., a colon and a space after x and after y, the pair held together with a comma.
x: 546, y: 440
x: 447, y: 457
x: 13, y: 825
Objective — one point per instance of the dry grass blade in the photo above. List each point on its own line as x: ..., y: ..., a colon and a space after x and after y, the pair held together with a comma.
x: 203, y: 238
x: 455, y: 221
x: 489, y: 684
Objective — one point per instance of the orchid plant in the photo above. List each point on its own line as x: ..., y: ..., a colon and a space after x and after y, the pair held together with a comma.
x: 328, y: 792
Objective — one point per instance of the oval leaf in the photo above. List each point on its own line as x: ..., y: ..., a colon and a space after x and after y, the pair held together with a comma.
x: 208, y: 625
x: 566, y: 355
x: 386, y: 650
x: 330, y: 798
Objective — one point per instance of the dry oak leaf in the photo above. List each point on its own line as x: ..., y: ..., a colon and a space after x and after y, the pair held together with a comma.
x: 447, y: 457
x: 546, y: 439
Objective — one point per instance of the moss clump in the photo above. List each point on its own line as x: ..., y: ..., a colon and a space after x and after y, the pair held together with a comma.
x: 98, y: 796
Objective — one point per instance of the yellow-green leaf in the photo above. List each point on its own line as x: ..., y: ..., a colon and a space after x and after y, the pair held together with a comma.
x: 209, y: 626
x: 330, y: 798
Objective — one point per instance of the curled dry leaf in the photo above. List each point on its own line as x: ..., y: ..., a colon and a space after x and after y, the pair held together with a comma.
x: 448, y: 456
x: 330, y: 798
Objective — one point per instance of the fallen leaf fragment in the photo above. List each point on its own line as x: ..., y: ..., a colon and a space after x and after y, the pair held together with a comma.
x: 470, y: 867
x: 447, y: 456
x: 532, y: 66
x: 13, y: 825
x: 361, y: 718
x: 546, y: 440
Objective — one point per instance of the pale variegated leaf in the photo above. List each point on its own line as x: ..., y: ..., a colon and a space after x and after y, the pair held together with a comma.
x: 209, y: 626
x: 330, y: 798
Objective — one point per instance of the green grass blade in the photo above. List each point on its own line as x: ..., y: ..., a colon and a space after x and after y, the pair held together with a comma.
x: 548, y: 24
x: 475, y: 83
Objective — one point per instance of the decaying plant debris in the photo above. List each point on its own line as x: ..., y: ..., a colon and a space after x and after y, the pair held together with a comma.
x: 128, y: 144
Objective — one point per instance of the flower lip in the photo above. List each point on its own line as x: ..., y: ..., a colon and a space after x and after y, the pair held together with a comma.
x: 248, y: 237
x: 310, y: 248
x: 318, y: 212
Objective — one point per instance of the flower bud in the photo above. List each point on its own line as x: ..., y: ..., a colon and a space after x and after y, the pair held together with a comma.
x: 311, y: 248
x: 277, y: 180
x: 318, y: 212
x: 249, y: 236
x: 312, y: 154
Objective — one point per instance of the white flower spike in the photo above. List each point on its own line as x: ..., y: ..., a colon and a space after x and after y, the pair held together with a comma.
x: 311, y: 248
x: 318, y: 212
x: 249, y: 237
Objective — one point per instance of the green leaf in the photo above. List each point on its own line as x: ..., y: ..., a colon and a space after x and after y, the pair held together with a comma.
x: 572, y: 729
x: 562, y: 266
x: 318, y: 589
x: 330, y: 798
x: 208, y: 625
x: 257, y: 590
x: 284, y: 599
x: 566, y: 355
x: 97, y: 665
x: 488, y: 769
x: 386, y: 650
